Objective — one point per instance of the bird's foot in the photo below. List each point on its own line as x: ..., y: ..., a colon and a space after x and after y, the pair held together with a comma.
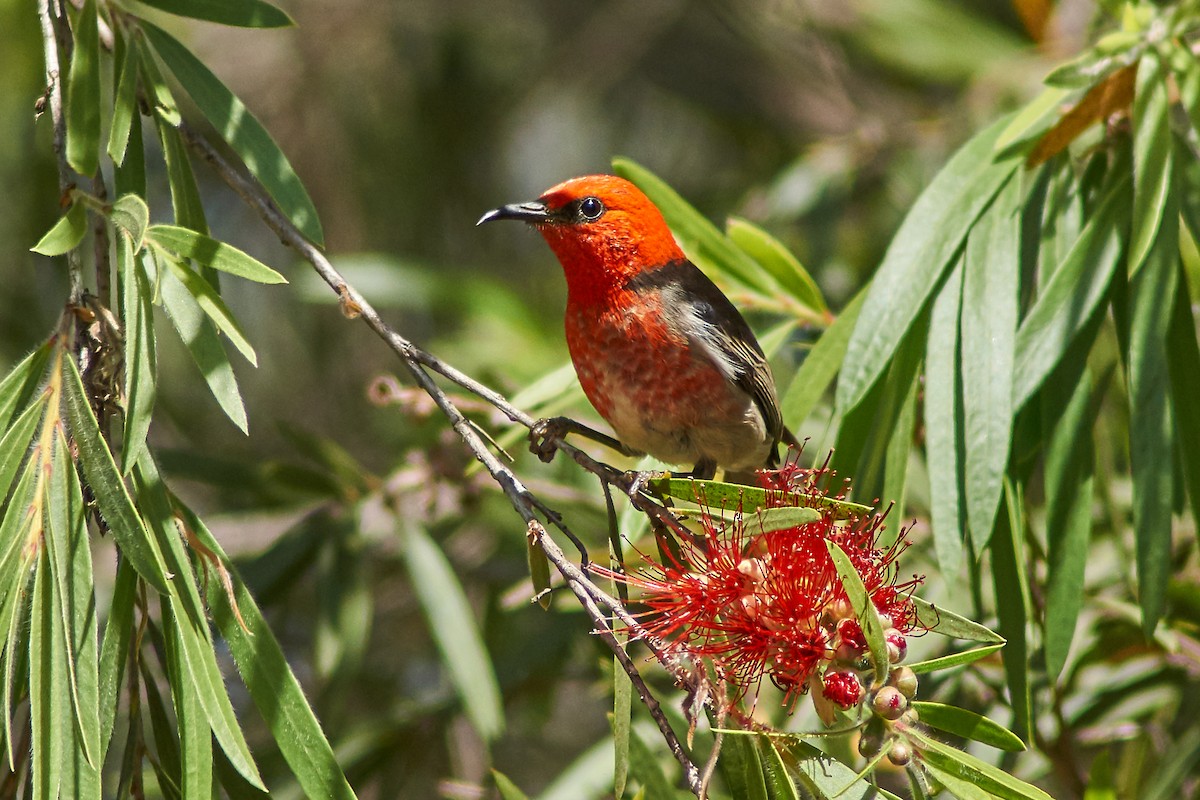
x: 545, y: 434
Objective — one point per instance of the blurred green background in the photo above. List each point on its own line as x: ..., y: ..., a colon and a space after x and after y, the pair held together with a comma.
x: 820, y: 121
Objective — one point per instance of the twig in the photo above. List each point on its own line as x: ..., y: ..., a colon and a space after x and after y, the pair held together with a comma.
x: 54, y: 95
x: 416, y: 361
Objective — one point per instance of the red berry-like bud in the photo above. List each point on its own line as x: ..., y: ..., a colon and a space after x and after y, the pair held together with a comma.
x: 843, y: 688
x: 897, y: 645
x: 890, y: 703
x: 850, y: 632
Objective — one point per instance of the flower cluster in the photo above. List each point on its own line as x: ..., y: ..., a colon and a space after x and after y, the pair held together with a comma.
x: 764, y: 602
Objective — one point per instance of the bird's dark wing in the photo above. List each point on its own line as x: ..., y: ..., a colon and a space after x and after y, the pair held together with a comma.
x: 719, y: 327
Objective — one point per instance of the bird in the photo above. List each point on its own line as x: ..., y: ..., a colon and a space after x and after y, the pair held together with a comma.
x: 661, y: 353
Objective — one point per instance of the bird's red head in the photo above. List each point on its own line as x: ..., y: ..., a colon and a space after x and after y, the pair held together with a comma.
x: 603, y: 230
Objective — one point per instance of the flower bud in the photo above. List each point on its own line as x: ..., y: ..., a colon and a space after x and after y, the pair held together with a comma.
x: 905, y: 680
x: 900, y: 754
x: 843, y: 688
x: 890, y: 703
x: 851, y: 633
x: 870, y: 743
x: 897, y: 645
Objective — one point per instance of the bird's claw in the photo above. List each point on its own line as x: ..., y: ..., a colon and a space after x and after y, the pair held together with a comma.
x: 544, y: 436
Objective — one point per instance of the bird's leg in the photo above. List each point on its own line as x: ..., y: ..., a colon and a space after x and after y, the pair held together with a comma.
x: 546, y: 432
x: 705, y: 470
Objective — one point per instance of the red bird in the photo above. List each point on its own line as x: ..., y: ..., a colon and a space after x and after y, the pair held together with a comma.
x: 661, y: 353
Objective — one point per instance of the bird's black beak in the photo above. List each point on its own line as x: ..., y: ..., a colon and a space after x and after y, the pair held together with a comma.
x: 532, y: 212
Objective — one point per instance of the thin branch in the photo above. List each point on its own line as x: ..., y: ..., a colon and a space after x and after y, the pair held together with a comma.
x: 54, y: 97
x: 416, y: 361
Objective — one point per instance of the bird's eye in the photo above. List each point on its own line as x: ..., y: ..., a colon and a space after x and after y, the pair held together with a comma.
x: 590, y: 208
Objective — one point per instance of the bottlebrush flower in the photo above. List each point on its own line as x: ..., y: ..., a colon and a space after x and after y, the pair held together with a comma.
x: 769, y: 603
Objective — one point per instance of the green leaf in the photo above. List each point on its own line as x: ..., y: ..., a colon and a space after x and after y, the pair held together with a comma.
x: 14, y: 447
x: 66, y: 234
x: 1067, y: 477
x: 240, y: 13
x: 777, y: 260
x: 195, y: 737
x: 125, y: 109
x: 646, y: 770
x: 954, y: 659
x: 969, y: 768
x: 778, y: 519
x: 899, y: 446
x: 508, y: 790
x: 1152, y: 147
x: 621, y: 716
x: 864, y: 609
x: 1013, y: 607
x: 700, y: 239
x: 1033, y: 120
x: 269, y: 679
x: 203, y: 342
x: 129, y: 177
x: 212, y: 253
x: 1151, y: 429
x: 947, y: 623
x: 186, y: 205
x: 749, y: 499
x: 818, y: 773
x: 968, y: 725
x: 21, y: 382
x: 114, y: 651
x: 70, y: 559
x: 741, y: 771
x: 16, y: 567
x: 47, y: 689
x: 453, y: 628
x: 1074, y: 292
x: 991, y: 279
x: 962, y: 789
x: 206, y: 297
x: 779, y: 783
x: 1183, y: 357
x: 237, y: 126
x: 105, y: 482
x: 141, y: 359
x: 166, y: 743
x: 83, y: 94
x: 821, y: 364
x: 131, y: 214
x: 917, y: 258
x: 943, y: 408
x: 1177, y: 768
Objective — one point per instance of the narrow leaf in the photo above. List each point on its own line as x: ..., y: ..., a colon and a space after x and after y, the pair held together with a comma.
x: 969, y: 768
x: 14, y: 447
x: 741, y: 771
x: 776, y: 259
x: 203, y: 342
x: 237, y: 126
x: 646, y: 770
x: 83, y: 94
x: 954, y: 659
x: 212, y: 253
x: 864, y: 609
x: 917, y: 258
x: 1013, y: 608
x: 125, y: 109
x: 779, y: 782
x: 66, y: 234
x: 989, y: 321
x: 1151, y: 428
x: 1183, y: 357
x: 195, y: 736
x: 968, y: 725
x: 21, y: 382
x: 508, y: 790
x: 822, y: 363
x: 141, y: 359
x: 269, y: 679
x: 186, y: 205
x: 1074, y: 293
x: 943, y: 443
x: 240, y: 13
x: 621, y: 717
x: 947, y: 623
x: 46, y: 694
x: 1152, y: 147
x: 206, y: 297
x: 105, y: 481
x: 131, y: 213
x: 114, y: 650
x: 453, y: 628
x: 732, y: 496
